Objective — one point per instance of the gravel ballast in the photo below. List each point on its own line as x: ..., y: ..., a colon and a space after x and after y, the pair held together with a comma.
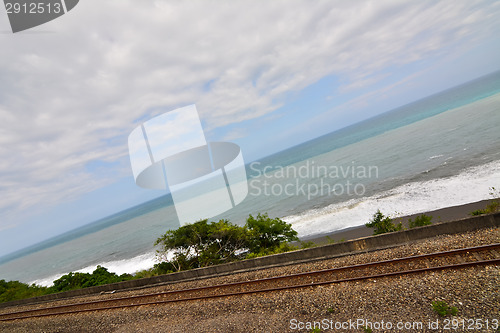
x: 403, y: 301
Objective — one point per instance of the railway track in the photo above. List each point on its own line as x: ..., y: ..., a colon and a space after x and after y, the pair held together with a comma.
x: 454, y: 259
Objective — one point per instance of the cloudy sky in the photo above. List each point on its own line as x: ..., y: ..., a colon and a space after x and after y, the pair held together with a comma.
x: 266, y: 75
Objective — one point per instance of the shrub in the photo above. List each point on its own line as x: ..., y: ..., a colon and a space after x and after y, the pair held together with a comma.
x: 383, y: 224
x: 478, y: 212
x: 78, y: 280
x: 492, y: 207
x: 145, y: 273
x: 13, y: 290
x: 420, y: 221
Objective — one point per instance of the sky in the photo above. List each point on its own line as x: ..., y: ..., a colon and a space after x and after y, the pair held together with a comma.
x: 266, y: 75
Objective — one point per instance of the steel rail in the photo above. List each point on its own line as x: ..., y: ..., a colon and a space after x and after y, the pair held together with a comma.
x: 32, y: 313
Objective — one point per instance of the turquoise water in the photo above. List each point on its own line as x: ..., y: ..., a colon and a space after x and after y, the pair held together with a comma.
x: 440, y: 151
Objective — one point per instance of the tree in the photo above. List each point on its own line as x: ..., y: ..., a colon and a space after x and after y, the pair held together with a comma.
x: 70, y: 281
x: 382, y: 224
x: 268, y: 234
x: 203, y: 244
x: 226, y: 242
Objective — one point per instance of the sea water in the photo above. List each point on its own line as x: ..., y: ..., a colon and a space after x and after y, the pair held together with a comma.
x: 441, y: 151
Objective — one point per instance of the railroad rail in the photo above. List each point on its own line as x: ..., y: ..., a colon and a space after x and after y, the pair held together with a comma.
x: 454, y: 259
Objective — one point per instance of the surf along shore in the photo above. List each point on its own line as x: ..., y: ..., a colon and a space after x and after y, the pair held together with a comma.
x: 440, y: 215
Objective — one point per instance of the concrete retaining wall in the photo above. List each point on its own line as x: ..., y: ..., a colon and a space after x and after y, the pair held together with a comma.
x: 322, y: 252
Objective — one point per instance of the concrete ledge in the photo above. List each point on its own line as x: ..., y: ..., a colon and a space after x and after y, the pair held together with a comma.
x: 321, y: 252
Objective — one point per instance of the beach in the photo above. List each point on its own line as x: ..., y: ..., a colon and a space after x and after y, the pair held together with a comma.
x: 439, y: 215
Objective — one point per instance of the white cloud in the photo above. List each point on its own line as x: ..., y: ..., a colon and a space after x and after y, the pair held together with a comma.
x: 235, y: 133
x: 66, y: 93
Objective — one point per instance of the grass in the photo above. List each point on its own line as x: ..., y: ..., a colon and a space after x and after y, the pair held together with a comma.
x: 443, y: 309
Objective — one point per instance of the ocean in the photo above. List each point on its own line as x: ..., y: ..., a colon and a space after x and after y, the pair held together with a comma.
x: 440, y: 151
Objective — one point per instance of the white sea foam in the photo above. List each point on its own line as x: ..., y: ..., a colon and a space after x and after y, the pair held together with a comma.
x: 435, y: 156
x: 469, y: 186
x: 143, y: 261
x: 47, y: 281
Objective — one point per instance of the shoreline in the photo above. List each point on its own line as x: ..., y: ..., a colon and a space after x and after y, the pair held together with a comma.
x: 439, y: 215
x: 346, y: 234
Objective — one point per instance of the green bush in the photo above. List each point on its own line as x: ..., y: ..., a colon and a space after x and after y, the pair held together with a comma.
x: 383, y: 224
x: 146, y: 273
x: 420, y: 221
x: 492, y: 207
x: 13, y: 290
x: 99, y: 276
x: 478, y: 212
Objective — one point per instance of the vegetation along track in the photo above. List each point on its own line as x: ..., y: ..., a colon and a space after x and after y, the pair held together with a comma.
x: 454, y: 259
